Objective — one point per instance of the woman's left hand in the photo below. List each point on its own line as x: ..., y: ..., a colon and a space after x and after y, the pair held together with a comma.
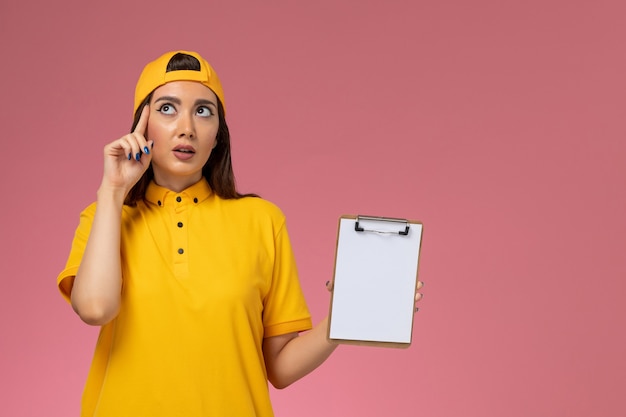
x: 418, y: 294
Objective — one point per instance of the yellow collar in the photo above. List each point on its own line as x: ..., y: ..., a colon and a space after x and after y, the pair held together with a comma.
x: 161, y: 196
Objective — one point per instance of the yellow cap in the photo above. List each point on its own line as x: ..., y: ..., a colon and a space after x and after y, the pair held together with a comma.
x: 155, y: 75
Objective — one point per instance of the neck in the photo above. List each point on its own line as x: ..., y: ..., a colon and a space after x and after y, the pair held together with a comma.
x: 177, y: 184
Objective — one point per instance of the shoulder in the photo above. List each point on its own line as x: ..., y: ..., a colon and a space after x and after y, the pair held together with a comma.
x: 255, y: 205
x: 256, y: 210
x: 89, y: 211
x: 261, y: 205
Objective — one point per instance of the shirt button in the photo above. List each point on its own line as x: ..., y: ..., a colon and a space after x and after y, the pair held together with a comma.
x: 181, y: 251
x: 159, y: 202
x: 179, y: 199
x: 195, y: 200
x: 180, y: 224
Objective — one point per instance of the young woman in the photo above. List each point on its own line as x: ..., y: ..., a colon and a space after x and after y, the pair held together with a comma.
x: 194, y: 285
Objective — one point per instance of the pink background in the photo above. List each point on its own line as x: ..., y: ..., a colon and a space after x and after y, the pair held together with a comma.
x: 499, y: 124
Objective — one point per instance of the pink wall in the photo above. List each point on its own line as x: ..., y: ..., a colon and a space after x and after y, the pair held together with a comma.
x: 499, y: 124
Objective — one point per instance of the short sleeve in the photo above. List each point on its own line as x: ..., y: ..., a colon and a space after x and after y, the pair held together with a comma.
x: 285, y: 310
x: 66, y: 278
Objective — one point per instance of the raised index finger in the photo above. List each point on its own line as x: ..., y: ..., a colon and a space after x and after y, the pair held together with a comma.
x: 143, y: 121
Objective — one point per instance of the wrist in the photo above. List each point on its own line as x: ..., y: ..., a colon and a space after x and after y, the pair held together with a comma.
x: 111, y: 193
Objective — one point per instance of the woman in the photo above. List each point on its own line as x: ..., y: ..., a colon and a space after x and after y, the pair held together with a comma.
x: 194, y: 284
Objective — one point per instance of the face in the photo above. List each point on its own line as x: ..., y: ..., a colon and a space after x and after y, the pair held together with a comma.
x: 183, y: 124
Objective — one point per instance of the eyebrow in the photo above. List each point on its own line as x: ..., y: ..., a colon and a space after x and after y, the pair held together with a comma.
x: 176, y: 100
x: 204, y: 101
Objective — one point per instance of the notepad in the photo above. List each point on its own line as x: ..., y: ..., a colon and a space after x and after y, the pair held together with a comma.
x: 375, y: 279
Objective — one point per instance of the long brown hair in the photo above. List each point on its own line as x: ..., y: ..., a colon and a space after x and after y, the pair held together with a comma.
x: 218, y: 170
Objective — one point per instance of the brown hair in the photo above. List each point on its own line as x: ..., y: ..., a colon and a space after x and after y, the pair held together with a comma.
x: 218, y: 170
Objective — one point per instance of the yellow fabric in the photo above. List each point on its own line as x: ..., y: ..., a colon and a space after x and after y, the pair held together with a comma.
x: 187, y: 340
x: 154, y: 75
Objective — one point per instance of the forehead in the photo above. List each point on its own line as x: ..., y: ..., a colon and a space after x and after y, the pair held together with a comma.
x: 191, y: 90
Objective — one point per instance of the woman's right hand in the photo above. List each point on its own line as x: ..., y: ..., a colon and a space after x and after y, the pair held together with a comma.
x: 127, y: 158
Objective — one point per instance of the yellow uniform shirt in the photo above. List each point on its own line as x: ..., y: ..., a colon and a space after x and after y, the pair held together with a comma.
x: 204, y: 281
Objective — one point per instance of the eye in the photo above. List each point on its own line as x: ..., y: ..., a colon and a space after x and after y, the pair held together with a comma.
x: 204, y: 111
x: 167, y: 109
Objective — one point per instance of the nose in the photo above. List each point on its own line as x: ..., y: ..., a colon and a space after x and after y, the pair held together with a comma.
x: 186, y: 126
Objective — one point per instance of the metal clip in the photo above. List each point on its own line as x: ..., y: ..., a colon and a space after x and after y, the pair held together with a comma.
x: 404, y: 232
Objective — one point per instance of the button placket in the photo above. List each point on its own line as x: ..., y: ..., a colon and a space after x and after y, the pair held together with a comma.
x: 181, y: 237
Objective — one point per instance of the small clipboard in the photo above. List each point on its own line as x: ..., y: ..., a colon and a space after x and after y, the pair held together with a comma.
x: 375, y: 279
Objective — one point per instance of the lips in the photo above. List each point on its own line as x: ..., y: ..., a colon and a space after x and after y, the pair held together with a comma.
x: 184, y: 149
x: 184, y: 152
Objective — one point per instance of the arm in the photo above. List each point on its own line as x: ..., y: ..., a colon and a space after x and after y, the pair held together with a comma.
x: 96, y: 288
x: 291, y: 356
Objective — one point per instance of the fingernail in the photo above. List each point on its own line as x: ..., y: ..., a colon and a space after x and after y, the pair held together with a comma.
x: 138, y: 156
x: 146, y: 150
x: 130, y: 155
